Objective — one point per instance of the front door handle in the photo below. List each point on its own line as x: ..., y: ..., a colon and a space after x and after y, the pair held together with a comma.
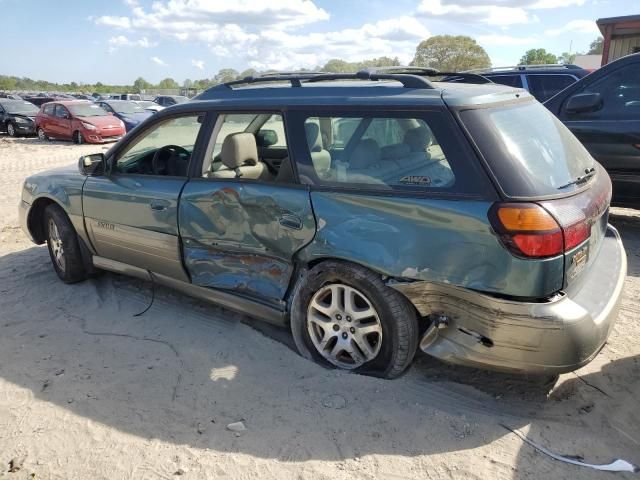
x: 291, y: 221
x: 159, y: 205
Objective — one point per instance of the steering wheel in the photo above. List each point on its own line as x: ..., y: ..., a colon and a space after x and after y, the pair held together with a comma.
x: 160, y: 160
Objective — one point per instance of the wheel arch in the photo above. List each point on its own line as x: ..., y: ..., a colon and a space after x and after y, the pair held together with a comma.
x: 35, y: 218
x: 304, y: 266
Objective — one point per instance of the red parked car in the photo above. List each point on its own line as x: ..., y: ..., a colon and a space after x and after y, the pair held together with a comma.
x: 78, y: 120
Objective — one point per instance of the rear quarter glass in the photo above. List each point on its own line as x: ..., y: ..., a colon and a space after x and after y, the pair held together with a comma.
x: 529, y: 151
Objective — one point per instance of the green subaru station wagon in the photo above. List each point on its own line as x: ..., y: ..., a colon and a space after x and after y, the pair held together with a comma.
x: 373, y: 213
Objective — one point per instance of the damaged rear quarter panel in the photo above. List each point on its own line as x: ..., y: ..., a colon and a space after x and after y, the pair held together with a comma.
x: 442, y: 241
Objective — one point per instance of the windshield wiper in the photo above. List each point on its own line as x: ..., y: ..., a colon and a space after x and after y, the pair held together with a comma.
x: 588, y: 173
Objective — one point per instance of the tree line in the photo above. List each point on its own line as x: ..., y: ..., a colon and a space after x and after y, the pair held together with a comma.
x: 446, y: 53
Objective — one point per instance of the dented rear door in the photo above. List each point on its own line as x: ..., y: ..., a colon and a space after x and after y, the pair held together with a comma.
x: 242, y: 236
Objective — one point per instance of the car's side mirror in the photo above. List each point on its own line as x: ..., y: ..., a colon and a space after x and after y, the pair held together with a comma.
x: 584, y: 103
x: 92, y: 165
x: 266, y: 138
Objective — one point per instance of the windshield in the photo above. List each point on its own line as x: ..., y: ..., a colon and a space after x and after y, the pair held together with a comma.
x: 24, y: 108
x: 528, y: 149
x: 126, y: 107
x: 87, y: 110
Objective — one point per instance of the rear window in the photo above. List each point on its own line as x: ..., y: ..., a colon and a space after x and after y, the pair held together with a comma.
x: 510, y: 80
x: 377, y: 152
x: 529, y: 150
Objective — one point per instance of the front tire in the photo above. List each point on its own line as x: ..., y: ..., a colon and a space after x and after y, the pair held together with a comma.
x: 64, y: 248
x: 344, y: 316
x: 11, y: 129
x: 41, y: 135
x: 78, y: 138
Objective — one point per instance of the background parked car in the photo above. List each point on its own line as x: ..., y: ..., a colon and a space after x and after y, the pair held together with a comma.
x: 149, y: 105
x: 11, y: 96
x: 17, y: 117
x: 168, y: 100
x: 80, y: 96
x: 603, y: 111
x: 79, y: 121
x: 129, y: 112
x: 543, y: 81
x: 127, y: 96
x: 39, y: 100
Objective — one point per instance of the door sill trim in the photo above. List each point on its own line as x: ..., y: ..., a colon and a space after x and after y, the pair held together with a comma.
x: 224, y: 299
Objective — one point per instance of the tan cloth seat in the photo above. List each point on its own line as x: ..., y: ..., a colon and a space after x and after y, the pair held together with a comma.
x: 239, y: 157
x: 320, y: 157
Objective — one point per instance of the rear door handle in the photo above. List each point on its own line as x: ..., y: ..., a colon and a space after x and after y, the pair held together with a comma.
x: 291, y: 221
x: 159, y: 205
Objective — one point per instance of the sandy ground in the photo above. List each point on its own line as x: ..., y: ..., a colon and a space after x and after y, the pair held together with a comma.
x: 88, y: 391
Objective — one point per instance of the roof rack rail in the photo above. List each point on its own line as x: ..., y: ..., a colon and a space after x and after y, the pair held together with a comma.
x: 296, y: 79
x: 568, y: 66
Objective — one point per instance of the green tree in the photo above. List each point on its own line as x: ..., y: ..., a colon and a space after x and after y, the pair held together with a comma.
x: 226, y: 75
x: 140, y: 85
x: 538, y: 56
x: 187, y: 83
x: 450, y: 53
x: 168, y: 83
x: 595, y: 48
x: 336, y: 65
x: 249, y: 72
x: 567, y: 58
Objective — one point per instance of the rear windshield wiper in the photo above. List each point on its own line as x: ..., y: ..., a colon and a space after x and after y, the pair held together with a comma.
x: 588, y: 173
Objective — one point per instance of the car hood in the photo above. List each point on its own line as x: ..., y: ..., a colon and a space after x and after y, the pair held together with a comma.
x: 101, y: 121
x: 134, y: 118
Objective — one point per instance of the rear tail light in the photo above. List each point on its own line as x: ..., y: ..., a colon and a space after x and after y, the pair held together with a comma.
x: 530, y: 231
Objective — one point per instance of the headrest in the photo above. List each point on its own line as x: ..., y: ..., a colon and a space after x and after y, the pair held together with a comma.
x: 366, y: 153
x: 239, y: 149
x: 397, y: 150
x: 314, y: 139
x: 418, y: 139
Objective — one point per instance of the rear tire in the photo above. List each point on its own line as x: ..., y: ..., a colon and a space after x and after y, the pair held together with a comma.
x: 63, y: 245
x: 381, y: 343
x: 41, y: 135
x: 11, y: 129
x: 78, y: 138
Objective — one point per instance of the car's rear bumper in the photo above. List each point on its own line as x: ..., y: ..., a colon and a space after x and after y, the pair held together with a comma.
x: 554, y: 336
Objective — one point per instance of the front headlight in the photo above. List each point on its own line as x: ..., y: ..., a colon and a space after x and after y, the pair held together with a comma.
x: 24, y: 121
x: 88, y: 126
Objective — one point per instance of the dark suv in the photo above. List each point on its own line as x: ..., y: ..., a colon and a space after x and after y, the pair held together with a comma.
x: 603, y: 111
x: 543, y: 81
x: 370, y: 212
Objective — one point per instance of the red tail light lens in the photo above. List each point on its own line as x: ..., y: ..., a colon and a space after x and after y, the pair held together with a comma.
x: 528, y: 230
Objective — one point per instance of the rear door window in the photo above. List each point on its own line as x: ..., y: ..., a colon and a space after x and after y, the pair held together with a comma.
x: 418, y: 152
x: 48, y: 109
x: 531, y: 153
x: 543, y: 87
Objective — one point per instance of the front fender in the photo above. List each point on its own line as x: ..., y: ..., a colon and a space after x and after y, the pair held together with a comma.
x: 62, y: 187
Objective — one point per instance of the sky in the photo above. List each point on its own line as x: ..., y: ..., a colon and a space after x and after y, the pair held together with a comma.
x: 116, y: 41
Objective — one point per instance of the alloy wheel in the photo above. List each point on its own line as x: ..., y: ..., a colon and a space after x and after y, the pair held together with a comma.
x: 344, y: 327
x: 11, y: 130
x: 41, y: 134
x: 55, y: 243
